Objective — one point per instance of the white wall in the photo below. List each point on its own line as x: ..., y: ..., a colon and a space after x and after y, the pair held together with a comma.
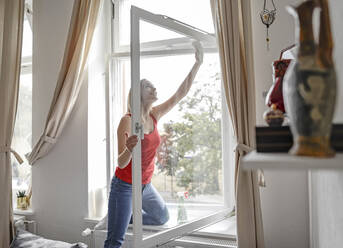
x: 285, y: 199
x: 327, y: 186
x: 60, y: 178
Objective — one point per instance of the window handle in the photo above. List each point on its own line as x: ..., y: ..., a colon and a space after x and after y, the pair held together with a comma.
x: 139, y: 130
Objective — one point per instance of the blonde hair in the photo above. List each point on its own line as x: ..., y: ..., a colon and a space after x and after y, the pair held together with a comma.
x: 129, y: 96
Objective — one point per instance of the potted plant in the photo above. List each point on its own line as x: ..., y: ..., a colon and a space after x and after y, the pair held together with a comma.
x: 22, y: 201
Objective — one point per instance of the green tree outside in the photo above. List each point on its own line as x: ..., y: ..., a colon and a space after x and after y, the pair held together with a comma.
x: 191, y: 150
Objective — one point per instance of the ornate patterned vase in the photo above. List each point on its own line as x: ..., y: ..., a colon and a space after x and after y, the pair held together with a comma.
x: 310, y: 84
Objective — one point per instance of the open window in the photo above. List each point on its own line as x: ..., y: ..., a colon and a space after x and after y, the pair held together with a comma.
x: 22, y: 136
x: 193, y: 174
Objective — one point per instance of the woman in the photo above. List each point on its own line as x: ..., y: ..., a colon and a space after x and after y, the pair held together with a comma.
x: 154, y: 208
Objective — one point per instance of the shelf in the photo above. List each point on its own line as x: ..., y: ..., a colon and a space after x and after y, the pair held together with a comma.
x: 27, y: 212
x: 285, y: 161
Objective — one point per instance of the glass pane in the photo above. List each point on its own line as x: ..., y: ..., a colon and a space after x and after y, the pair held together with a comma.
x: 191, y: 139
x: 196, y: 13
x: 96, y: 146
x: 150, y: 32
x: 27, y: 40
x: 22, y: 137
x: 191, y: 143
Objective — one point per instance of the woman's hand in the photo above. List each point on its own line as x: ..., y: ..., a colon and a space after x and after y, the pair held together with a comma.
x: 183, y: 89
x: 198, y: 51
x: 131, y: 141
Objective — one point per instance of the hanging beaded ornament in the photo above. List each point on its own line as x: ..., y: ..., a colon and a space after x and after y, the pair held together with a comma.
x: 267, y: 18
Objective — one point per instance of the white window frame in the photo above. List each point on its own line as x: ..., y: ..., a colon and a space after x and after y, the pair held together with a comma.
x: 138, y: 15
x: 119, y: 53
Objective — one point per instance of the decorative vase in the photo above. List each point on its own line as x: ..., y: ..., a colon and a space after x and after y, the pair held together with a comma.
x: 181, y: 209
x: 22, y: 203
x: 181, y: 214
x: 309, y: 88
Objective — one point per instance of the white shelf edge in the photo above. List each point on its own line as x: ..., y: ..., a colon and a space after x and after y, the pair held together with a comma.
x: 284, y: 161
x: 27, y: 212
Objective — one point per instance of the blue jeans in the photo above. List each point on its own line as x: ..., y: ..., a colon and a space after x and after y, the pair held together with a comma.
x: 154, y: 210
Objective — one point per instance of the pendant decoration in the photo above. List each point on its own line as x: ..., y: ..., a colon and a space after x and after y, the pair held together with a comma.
x: 267, y: 18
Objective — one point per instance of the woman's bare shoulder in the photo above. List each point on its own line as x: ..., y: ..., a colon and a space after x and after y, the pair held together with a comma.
x: 154, y: 113
x: 127, y: 116
x: 125, y: 122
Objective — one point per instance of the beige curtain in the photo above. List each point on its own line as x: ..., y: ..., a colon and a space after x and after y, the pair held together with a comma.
x: 11, y: 31
x: 82, y: 25
x: 232, y: 20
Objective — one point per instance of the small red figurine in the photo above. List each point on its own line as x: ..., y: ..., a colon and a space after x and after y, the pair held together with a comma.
x: 274, y: 99
x: 274, y: 95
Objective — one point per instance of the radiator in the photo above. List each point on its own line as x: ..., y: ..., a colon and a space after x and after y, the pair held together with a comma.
x: 98, y: 238
x: 20, y: 222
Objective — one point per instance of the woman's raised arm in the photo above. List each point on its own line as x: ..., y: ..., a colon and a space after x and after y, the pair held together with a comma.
x: 183, y: 89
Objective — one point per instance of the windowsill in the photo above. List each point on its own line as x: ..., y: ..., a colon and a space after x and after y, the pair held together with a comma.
x: 222, y: 229
x: 284, y: 161
x: 194, y: 210
x: 27, y: 212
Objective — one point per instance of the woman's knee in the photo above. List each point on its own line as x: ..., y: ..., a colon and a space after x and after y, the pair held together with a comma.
x: 164, y: 216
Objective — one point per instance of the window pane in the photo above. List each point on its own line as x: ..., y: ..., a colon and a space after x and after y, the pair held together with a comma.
x: 27, y: 40
x: 150, y: 32
x: 22, y: 137
x: 196, y: 13
x: 188, y: 172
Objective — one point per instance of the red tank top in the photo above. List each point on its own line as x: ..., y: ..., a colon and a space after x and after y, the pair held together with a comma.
x: 150, y: 144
